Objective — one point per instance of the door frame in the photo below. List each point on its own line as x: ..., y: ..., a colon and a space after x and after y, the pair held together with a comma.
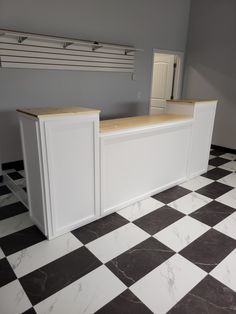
x: 178, y: 74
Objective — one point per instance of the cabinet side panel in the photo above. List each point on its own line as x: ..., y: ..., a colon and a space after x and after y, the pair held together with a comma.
x: 30, y: 143
x: 202, y: 129
x: 71, y: 145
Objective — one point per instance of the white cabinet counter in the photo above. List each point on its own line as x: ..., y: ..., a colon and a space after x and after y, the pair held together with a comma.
x: 79, y: 169
x: 115, y: 125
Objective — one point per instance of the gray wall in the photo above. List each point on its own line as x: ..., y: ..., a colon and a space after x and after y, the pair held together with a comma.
x: 211, y: 63
x: 145, y: 24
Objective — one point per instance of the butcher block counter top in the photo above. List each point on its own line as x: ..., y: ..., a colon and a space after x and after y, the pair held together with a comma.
x: 139, y: 121
x: 56, y: 111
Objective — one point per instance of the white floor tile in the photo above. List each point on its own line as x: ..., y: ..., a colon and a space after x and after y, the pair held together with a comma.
x: 225, y: 272
x: 229, y: 156
x: 163, y: 287
x: 181, y: 233
x: 210, y: 167
x: 116, y: 242
x: 230, y: 166
x: 13, y: 299
x: 211, y: 157
x: 8, y: 199
x: 140, y: 209
x: 40, y: 254
x: 1, y: 254
x: 17, y: 190
x: 228, y: 199
x: 228, y: 226
x: 229, y: 180
x: 190, y: 202
x: 196, y: 183
x: 14, y: 224
x: 86, y: 295
x: 9, y: 171
x: 22, y: 172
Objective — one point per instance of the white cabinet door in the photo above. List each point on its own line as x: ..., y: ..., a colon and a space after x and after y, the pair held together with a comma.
x: 163, y: 70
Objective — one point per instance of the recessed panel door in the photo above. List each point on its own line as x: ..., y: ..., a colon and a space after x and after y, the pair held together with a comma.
x: 163, y: 70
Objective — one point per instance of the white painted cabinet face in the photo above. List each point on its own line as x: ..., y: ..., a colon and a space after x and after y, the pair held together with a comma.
x: 163, y: 70
x: 71, y: 142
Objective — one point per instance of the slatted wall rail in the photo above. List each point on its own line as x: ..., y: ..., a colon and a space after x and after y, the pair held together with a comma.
x: 21, y: 50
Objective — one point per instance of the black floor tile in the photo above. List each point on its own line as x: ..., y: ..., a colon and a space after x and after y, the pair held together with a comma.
x: 30, y: 311
x: 4, y: 190
x: 216, y: 174
x: 216, y: 152
x: 214, y: 190
x: 49, y: 279
x: 218, y: 161
x: 12, y: 210
x: 99, y: 228
x: 212, y: 213
x: 20, y: 240
x: 15, y: 175
x: 209, y: 297
x: 158, y: 219
x: 125, y: 303
x: 17, y: 165
x: 135, y: 263
x: 6, y: 273
x: 171, y: 195
x: 209, y: 249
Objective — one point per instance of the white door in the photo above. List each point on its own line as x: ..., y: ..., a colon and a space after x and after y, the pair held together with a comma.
x: 162, y: 81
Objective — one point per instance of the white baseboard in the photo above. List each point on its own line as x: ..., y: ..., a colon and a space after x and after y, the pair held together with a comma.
x: 196, y: 174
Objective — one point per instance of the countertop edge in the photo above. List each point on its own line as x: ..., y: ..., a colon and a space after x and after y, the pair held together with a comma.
x: 56, y: 114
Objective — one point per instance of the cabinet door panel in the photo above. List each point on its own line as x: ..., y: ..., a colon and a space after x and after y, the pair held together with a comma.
x: 71, y: 158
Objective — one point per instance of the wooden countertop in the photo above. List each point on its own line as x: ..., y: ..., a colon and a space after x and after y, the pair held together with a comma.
x: 56, y: 111
x: 139, y: 121
x: 190, y: 101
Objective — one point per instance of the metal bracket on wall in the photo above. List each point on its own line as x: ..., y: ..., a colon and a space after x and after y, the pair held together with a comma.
x: 27, y: 50
x: 67, y: 44
x: 96, y: 46
x: 21, y: 39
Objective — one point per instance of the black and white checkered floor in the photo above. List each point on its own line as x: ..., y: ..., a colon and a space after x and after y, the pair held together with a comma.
x: 174, y: 252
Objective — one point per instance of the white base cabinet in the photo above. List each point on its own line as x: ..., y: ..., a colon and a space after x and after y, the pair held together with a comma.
x: 62, y: 170
x: 203, y: 113
x: 141, y: 163
x: 77, y: 173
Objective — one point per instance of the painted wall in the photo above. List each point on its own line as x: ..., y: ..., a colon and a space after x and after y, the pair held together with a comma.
x: 146, y: 24
x: 211, y: 63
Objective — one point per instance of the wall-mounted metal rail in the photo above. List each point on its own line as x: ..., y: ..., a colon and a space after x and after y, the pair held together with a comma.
x: 27, y: 50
